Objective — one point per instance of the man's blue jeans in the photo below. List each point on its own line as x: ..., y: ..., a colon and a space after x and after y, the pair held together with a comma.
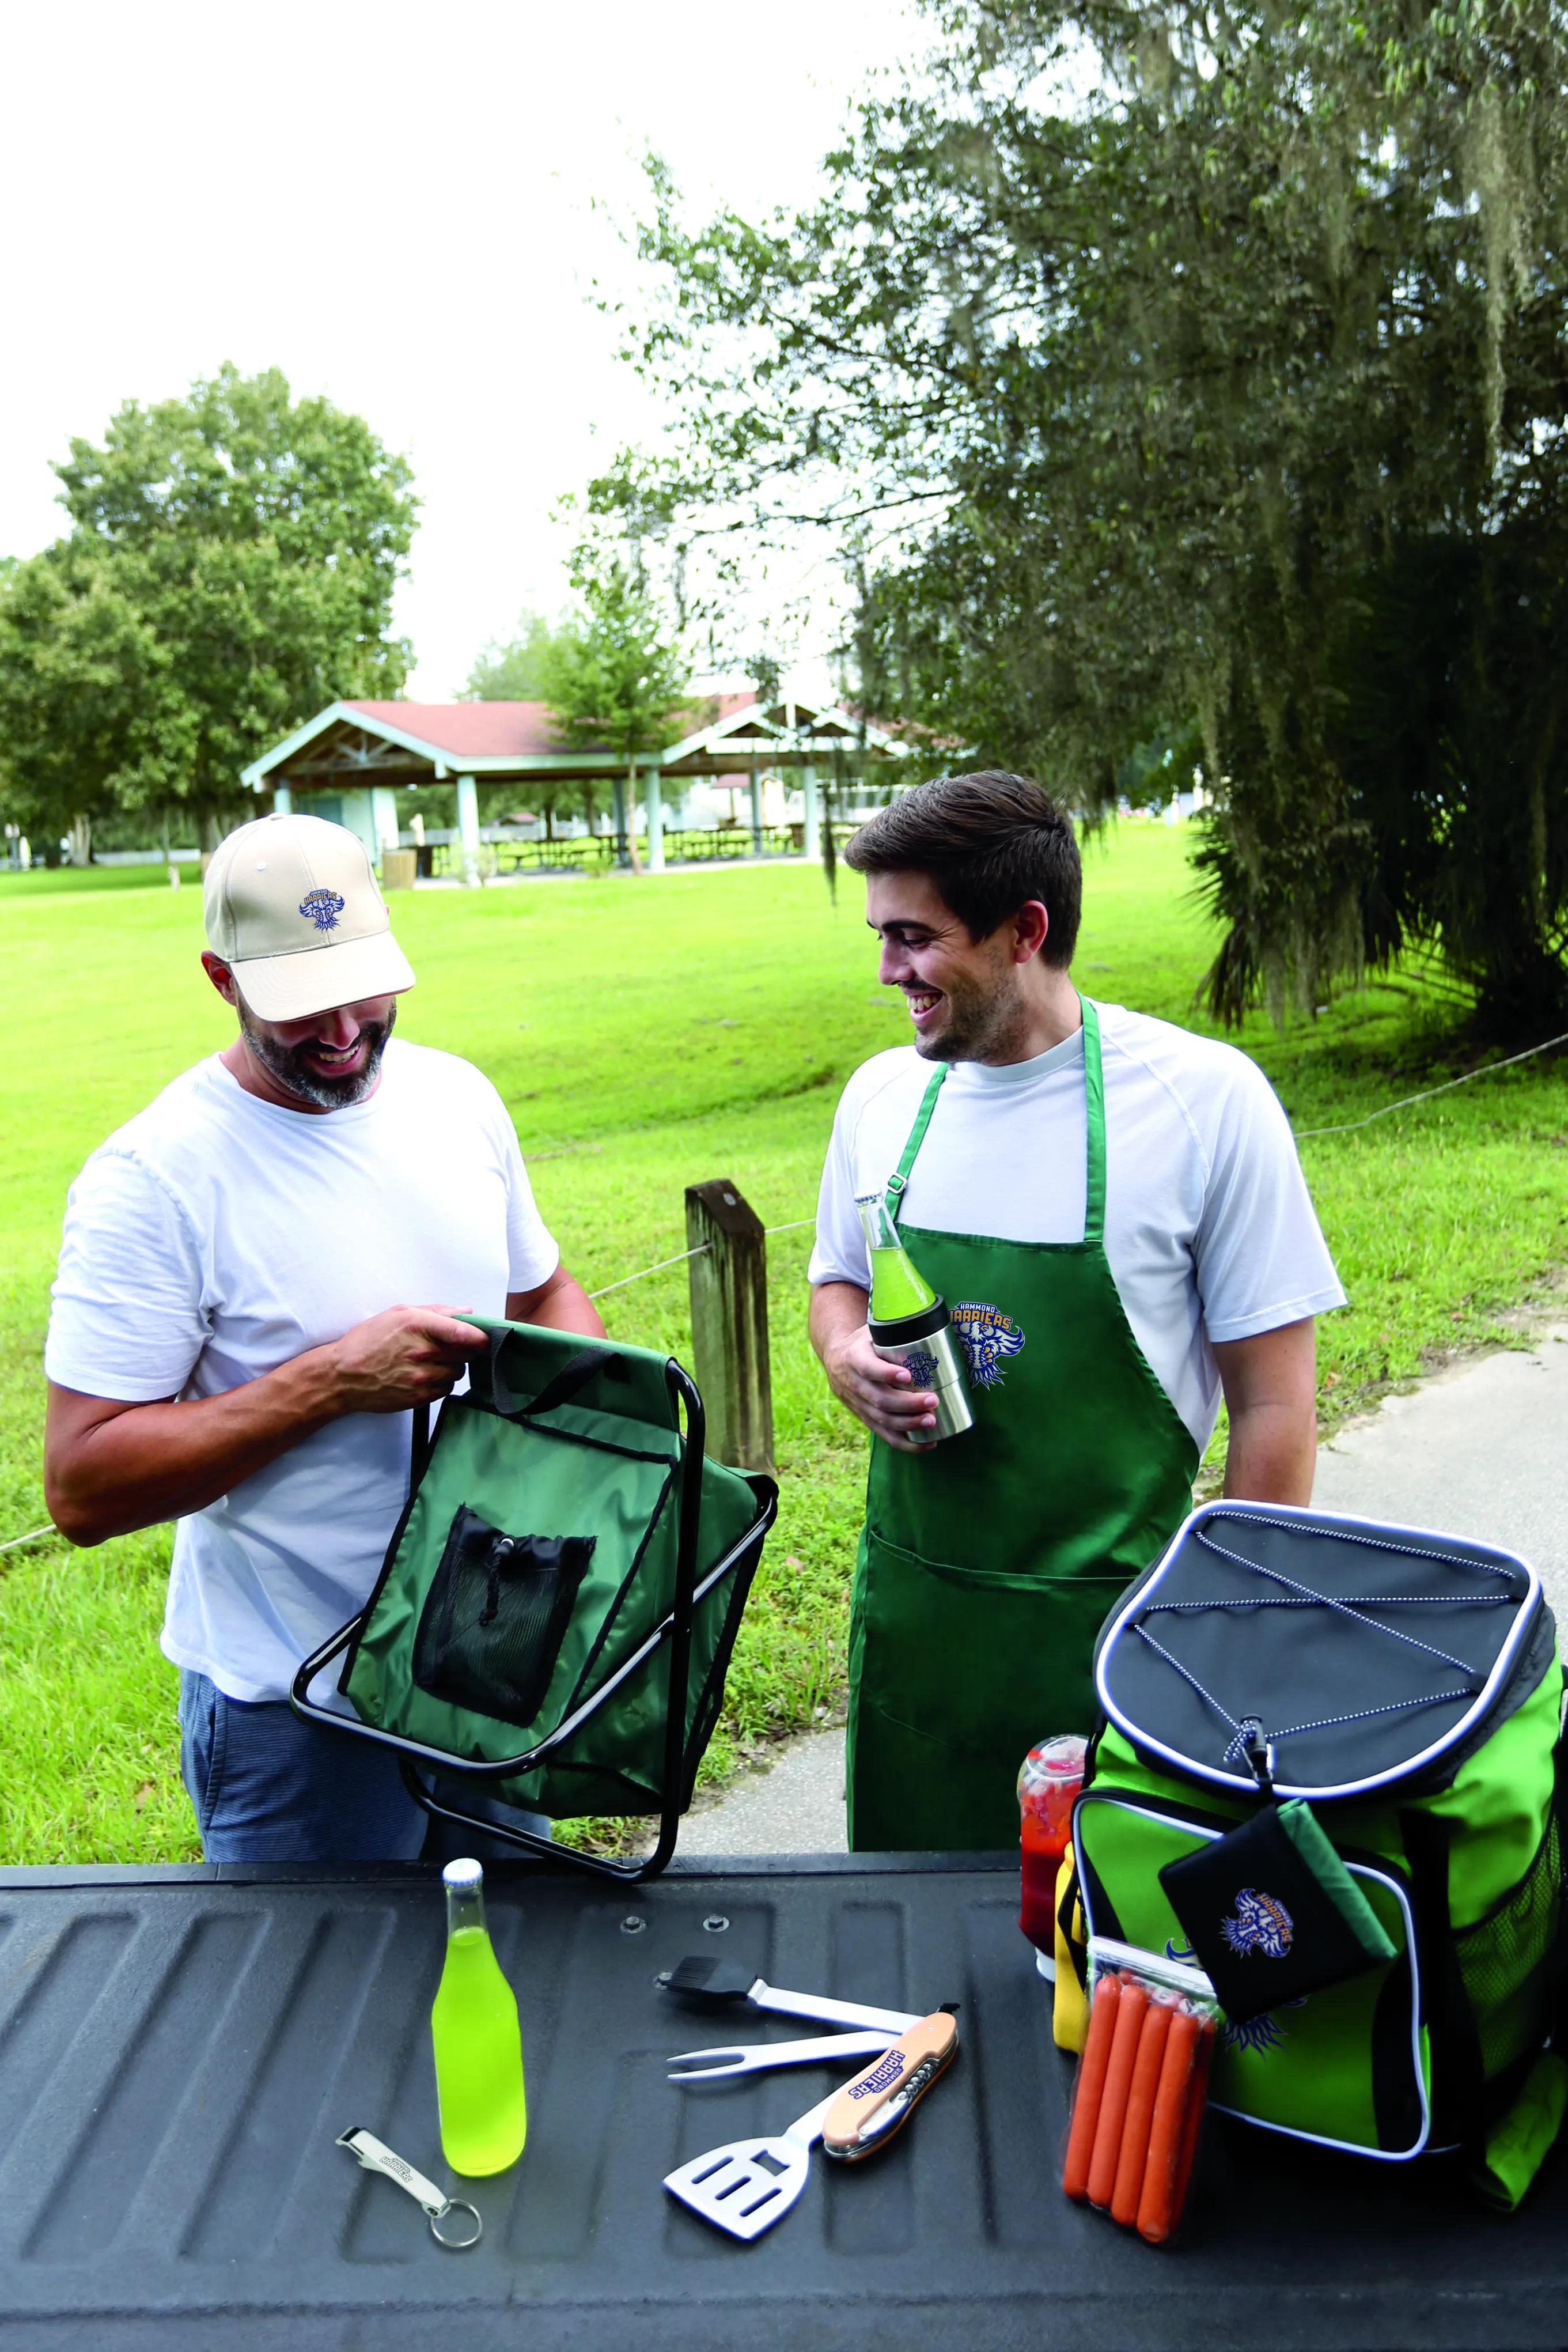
x: 268, y: 1787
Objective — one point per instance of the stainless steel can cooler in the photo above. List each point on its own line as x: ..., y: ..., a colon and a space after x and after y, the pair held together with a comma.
x: 933, y: 1351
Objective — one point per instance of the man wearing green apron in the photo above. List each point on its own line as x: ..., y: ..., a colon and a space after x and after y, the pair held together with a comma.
x: 1113, y: 1210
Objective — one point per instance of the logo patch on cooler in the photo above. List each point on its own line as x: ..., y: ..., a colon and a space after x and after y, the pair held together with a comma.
x: 1262, y: 1923
x: 323, y: 907
x: 921, y: 1368
x: 1263, y: 2032
x: 988, y: 1339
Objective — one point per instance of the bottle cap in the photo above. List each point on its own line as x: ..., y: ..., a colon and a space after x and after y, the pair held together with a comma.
x: 463, y: 1874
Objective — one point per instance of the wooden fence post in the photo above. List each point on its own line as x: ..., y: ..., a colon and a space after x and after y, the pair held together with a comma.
x: 729, y: 1323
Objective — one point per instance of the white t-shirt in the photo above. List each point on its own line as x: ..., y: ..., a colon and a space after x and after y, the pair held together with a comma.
x: 1209, y: 1230
x: 216, y: 1236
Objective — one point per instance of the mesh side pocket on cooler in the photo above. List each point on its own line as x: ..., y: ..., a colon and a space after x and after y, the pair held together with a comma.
x: 496, y: 1616
x: 1509, y: 1960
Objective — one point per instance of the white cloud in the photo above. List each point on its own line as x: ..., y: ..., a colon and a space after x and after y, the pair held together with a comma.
x: 404, y: 208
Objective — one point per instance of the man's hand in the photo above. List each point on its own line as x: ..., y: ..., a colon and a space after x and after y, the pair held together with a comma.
x: 404, y: 1356
x: 880, y: 1393
x: 110, y: 1468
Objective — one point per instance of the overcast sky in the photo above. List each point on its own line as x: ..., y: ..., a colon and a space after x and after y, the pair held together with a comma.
x: 403, y: 207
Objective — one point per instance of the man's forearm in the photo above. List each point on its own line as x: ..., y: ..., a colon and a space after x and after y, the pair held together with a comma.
x: 838, y: 1310
x: 157, y: 1462
x: 1271, y: 1456
x: 1270, y: 1393
x: 110, y: 1468
x: 562, y: 1303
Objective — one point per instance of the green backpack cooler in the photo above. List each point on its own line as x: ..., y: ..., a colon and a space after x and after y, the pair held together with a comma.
x: 1406, y: 1687
x: 554, y: 1618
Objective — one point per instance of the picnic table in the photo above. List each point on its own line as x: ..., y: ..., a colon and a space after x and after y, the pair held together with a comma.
x: 181, y: 2048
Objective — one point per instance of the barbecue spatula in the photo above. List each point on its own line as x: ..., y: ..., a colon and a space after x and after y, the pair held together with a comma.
x: 748, y: 2185
x: 751, y: 2184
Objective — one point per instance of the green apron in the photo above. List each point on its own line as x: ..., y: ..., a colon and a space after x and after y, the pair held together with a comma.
x: 988, y: 1562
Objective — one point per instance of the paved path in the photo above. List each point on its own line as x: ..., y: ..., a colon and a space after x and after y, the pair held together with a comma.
x: 1481, y: 1450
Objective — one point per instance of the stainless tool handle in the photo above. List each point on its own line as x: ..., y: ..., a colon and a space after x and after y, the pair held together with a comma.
x: 829, y: 2012
x: 807, y: 2130
x: 731, y: 2058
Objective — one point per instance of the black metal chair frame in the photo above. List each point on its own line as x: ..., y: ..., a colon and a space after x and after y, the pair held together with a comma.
x: 674, y: 1628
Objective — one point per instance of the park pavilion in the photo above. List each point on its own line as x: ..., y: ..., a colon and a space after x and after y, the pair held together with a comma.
x: 349, y: 761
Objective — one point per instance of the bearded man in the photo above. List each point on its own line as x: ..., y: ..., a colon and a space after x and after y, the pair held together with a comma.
x: 1114, y: 1213
x: 227, y: 1346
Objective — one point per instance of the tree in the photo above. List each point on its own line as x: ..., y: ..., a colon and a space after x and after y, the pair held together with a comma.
x: 513, y: 672
x: 244, y: 547
x: 519, y: 671
x: 614, y: 675
x: 89, y: 720
x: 1141, y: 401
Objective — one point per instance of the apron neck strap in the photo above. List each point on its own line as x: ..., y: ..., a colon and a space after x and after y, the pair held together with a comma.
x: 897, y: 1183
x: 1094, y: 1107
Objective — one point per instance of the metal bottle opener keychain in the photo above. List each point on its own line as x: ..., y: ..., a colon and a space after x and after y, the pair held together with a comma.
x: 376, y: 2157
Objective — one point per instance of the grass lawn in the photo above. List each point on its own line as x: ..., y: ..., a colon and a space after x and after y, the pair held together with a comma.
x: 648, y: 1035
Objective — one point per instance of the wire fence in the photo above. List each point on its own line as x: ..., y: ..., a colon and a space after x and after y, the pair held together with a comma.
x: 37, y: 1535
x: 1350, y: 1126
x: 680, y: 1257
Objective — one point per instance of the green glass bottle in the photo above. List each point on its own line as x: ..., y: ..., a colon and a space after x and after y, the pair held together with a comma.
x: 476, y: 2039
x: 897, y: 1285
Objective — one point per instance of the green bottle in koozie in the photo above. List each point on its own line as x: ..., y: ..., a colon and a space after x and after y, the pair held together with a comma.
x: 909, y: 1324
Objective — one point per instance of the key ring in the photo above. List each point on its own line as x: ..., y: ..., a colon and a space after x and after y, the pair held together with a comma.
x: 455, y: 2205
x: 376, y: 2157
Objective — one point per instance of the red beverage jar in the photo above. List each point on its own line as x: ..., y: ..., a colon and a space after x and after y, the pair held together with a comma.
x: 1049, y: 1782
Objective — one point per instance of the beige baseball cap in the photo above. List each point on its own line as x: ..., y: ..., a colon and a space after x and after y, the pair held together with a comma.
x: 294, y: 910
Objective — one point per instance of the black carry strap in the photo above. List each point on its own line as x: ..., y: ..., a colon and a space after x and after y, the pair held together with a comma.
x: 419, y: 1447
x: 568, y: 1382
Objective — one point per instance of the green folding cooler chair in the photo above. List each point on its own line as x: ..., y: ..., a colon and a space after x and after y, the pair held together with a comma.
x: 555, y: 1616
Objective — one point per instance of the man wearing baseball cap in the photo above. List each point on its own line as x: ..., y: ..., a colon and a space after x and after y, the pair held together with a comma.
x: 228, y: 1346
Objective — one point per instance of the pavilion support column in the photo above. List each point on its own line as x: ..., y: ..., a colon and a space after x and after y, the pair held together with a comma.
x: 756, y: 813
x: 656, y: 801
x: 623, y: 822
x: 383, y: 815
x: 468, y: 830
x: 282, y: 800
x: 812, y: 842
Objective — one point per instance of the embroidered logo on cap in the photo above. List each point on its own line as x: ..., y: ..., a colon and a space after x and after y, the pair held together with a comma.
x: 988, y: 1338
x: 323, y: 907
x: 1262, y: 1923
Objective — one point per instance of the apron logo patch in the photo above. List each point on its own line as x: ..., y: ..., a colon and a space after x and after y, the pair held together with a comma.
x: 323, y: 907
x: 988, y: 1339
x: 1262, y: 1923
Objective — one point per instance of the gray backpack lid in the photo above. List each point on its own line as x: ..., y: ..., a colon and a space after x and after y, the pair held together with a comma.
x: 1328, y: 1655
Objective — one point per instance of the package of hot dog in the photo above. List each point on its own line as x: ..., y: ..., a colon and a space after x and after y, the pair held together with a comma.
x: 1141, y: 2089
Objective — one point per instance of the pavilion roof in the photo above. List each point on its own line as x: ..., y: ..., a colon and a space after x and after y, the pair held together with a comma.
x: 424, y: 742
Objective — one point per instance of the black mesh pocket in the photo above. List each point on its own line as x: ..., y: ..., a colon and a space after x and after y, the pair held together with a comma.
x: 496, y: 1616
x: 1509, y: 1960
